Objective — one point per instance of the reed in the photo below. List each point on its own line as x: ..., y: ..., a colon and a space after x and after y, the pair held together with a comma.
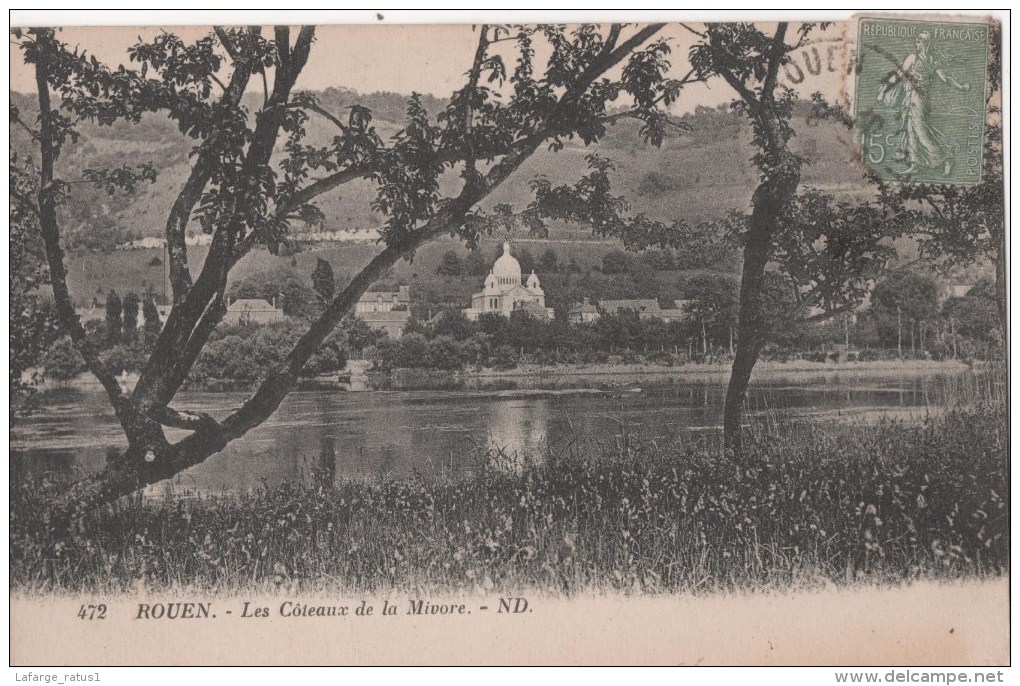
x: 809, y: 504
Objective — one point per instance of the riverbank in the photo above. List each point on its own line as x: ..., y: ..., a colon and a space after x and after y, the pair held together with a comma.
x: 361, y: 374
x: 610, y: 376
x: 812, y: 506
x: 761, y: 370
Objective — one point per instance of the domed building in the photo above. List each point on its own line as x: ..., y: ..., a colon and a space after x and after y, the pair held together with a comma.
x: 505, y: 291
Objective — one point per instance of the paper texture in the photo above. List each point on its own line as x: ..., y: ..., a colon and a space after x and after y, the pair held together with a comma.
x: 672, y: 344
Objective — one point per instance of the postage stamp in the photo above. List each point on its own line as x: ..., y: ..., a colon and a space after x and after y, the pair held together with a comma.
x: 920, y: 99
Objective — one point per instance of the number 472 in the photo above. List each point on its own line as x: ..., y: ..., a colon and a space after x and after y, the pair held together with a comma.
x: 92, y: 612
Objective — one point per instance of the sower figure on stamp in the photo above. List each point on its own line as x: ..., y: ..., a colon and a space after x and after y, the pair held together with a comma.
x: 909, y: 89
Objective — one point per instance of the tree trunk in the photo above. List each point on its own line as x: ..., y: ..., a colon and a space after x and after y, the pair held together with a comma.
x: 899, y: 332
x: 769, y: 200
x: 749, y: 329
x: 779, y: 171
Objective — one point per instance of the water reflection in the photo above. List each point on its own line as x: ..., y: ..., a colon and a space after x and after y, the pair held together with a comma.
x: 519, y: 425
x: 390, y: 434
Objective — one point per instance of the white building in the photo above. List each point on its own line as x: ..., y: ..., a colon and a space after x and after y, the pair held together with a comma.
x: 505, y: 291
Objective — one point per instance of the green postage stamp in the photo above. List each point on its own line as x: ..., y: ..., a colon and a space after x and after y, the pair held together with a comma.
x: 920, y: 99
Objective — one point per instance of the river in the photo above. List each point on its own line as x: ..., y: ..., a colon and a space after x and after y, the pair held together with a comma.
x: 396, y: 433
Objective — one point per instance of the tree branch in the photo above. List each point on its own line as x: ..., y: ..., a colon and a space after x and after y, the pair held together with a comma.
x: 636, y: 114
x: 778, y: 52
x: 613, y: 37
x: 210, y: 319
x: 31, y: 132
x: 191, y: 192
x: 226, y: 41
x: 719, y: 65
x: 188, y: 305
x: 339, y: 178
x: 281, y: 380
x: 50, y: 229
x: 265, y: 87
x: 625, y: 48
x: 829, y: 314
x: 163, y: 373
x: 315, y: 107
x: 324, y: 185
x: 474, y: 74
x: 696, y: 33
x: 745, y: 93
x: 194, y: 421
x: 282, y: 36
x: 218, y: 82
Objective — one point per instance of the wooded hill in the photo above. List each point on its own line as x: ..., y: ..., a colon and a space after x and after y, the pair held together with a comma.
x: 697, y: 176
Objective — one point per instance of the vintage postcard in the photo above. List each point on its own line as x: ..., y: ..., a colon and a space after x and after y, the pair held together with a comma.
x: 672, y: 343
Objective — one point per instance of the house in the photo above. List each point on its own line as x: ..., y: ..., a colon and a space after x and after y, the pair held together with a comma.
x: 386, y: 310
x: 252, y: 311
x: 645, y: 309
x: 392, y: 322
x: 582, y: 312
x: 677, y: 313
x: 384, y: 301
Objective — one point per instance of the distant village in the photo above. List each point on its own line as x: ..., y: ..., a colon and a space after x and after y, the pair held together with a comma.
x: 504, y: 290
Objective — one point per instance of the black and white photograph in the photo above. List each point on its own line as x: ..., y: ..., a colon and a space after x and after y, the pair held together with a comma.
x: 626, y: 343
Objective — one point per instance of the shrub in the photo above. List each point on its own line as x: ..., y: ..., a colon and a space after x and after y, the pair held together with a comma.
x: 123, y: 358
x: 62, y: 362
x: 503, y: 357
x: 444, y: 352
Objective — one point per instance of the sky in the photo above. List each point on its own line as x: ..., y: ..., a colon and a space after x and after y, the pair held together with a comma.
x: 428, y: 58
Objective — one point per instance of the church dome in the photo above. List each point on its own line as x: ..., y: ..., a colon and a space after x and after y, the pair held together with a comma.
x: 507, y: 267
x: 533, y: 280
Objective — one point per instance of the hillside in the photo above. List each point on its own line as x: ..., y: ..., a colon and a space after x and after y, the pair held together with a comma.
x: 698, y: 176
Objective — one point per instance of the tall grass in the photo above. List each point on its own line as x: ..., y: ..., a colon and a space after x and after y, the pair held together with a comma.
x: 807, y: 505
